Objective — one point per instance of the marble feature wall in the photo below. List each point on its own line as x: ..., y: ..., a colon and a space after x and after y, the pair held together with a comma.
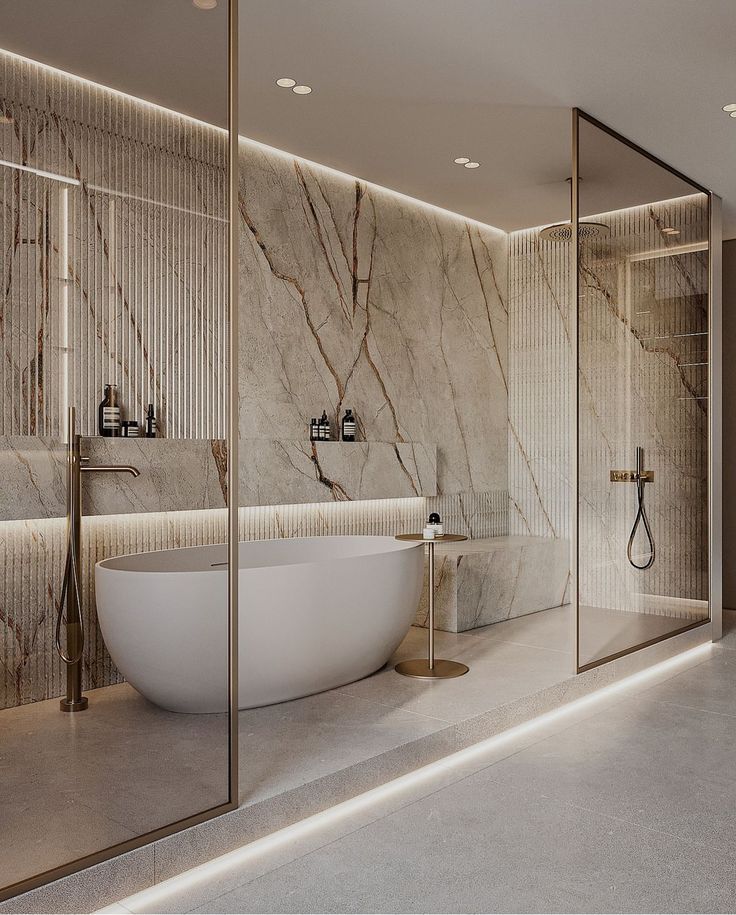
x: 644, y: 381
x: 357, y: 297
x: 113, y: 262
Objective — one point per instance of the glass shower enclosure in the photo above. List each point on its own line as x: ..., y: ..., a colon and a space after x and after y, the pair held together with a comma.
x: 115, y: 253
x: 643, y: 269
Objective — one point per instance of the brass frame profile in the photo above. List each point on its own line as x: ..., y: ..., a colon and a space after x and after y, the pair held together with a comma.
x: 120, y: 848
x: 715, y: 600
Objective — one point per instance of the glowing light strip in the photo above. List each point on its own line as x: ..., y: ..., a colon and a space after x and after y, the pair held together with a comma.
x: 272, y: 149
x: 40, y: 172
x: 151, y: 897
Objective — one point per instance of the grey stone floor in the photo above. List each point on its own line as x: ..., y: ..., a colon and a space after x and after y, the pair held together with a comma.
x: 630, y: 807
x: 72, y: 785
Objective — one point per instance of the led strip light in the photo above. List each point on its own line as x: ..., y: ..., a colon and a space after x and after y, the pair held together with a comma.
x: 149, y: 898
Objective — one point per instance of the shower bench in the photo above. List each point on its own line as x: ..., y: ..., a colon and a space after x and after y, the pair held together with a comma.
x: 484, y: 581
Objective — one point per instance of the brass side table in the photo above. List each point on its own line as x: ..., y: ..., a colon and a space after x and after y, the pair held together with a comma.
x: 431, y: 668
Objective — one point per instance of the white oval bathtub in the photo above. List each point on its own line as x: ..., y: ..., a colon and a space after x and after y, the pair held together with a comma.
x: 314, y: 613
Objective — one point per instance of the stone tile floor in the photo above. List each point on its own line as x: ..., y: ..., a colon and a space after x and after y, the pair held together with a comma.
x: 630, y: 807
x: 74, y: 784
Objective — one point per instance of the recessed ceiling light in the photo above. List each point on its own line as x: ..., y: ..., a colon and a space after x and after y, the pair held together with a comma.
x: 286, y: 82
x: 302, y: 90
x: 729, y: 107
x: 205, y: 4
x: 462, y: 160
x: 472, y: 165
x: 732, y: 114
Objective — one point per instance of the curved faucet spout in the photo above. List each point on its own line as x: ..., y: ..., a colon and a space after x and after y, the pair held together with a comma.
x: 109, y: 468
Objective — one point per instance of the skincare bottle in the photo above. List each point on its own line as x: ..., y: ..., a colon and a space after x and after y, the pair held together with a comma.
x: 435, y: 522
x: 150, y: 422
x: 131, y: 428
x: 349, y: 427
x: 108, y: 415
x: 324, y: 427
x: 314, y: 430
x: 428, y: 533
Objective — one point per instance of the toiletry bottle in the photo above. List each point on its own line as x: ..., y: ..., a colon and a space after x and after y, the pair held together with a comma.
x: 131, y: 428
x: 324, y: 427
x: 150, y: 422
x: 348, y: 427
x: 314, y: 430
x: 108, y: 415
x: 435, y: 522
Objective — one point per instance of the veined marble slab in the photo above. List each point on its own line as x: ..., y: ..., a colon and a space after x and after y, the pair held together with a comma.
x: 484, y: 581
x: 33, y: 478
x: 278, y: 472
x: 176, y: 475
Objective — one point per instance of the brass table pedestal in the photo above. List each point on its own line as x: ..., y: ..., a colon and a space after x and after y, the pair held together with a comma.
x: 431, y: 668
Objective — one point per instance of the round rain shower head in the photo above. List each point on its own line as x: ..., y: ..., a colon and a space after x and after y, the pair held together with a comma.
x: 562, y: 231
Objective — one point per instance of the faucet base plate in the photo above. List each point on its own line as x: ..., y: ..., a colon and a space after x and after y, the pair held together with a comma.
x: 73, y: 705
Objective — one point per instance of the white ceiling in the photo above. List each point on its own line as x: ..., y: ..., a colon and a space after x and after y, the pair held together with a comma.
x: 401, y: 87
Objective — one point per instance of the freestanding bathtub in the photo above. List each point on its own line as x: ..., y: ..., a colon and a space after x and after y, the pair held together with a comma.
x: 314, y: 613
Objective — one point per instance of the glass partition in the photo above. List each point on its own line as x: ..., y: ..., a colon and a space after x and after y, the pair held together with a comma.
x: 114, y: 621
x: 642, y: 392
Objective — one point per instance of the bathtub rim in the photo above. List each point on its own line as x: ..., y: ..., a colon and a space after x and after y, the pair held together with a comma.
x: 107, y: 564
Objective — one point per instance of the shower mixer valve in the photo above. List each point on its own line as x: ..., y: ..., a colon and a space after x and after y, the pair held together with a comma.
x: 632, y: 476
x: 640, y: 477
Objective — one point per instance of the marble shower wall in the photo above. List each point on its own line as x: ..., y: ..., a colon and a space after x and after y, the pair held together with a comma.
x: 644, y: 381
x: 540, y: 352
x: 357, y: 297
x: 113, y: 260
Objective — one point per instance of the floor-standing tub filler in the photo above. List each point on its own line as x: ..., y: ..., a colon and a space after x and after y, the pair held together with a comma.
x: 314, y: 613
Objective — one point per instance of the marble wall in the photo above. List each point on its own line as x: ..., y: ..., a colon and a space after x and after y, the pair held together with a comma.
x: 357, y: 297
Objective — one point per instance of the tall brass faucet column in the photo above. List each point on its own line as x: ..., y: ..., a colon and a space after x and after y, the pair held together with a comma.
x: 73, y: 653
x: 74, y: 701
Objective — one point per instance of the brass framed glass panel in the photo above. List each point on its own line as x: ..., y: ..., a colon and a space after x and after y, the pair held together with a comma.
x: 117, y: 630
x: 642, y: 270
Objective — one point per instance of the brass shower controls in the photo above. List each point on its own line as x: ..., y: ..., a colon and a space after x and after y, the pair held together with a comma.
x: 631, y: 476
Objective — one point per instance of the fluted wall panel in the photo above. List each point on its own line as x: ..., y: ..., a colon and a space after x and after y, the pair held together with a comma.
x: 113, y: 257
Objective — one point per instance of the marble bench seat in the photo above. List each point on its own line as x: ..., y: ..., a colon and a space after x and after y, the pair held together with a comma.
x: 484, y: 581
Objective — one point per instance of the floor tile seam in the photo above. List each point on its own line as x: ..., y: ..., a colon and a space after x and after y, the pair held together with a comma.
x: 344, y: 691
x: 401, y: 708
x: 625, y: 821
x: 526, y: 645
x: 692, y: 708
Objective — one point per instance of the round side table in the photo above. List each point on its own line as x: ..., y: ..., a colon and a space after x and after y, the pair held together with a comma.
x: 431, y: 668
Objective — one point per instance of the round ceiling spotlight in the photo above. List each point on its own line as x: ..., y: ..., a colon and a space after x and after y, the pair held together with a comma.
x: 732, y: 114
x: 205, y: 4
x: 286, y: 82
x: 729, y: 108
x: 301, y: 90
x: 472, y: 165
x: 462, y: 160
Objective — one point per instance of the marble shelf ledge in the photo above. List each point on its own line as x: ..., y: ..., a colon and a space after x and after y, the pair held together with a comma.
x: 289, y: 472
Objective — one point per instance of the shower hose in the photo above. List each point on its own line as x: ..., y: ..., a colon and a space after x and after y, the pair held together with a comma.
x: 71, y: 573
x: 641, y: 518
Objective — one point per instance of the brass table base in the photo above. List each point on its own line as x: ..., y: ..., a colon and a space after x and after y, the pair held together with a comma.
x: 420, y: 669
